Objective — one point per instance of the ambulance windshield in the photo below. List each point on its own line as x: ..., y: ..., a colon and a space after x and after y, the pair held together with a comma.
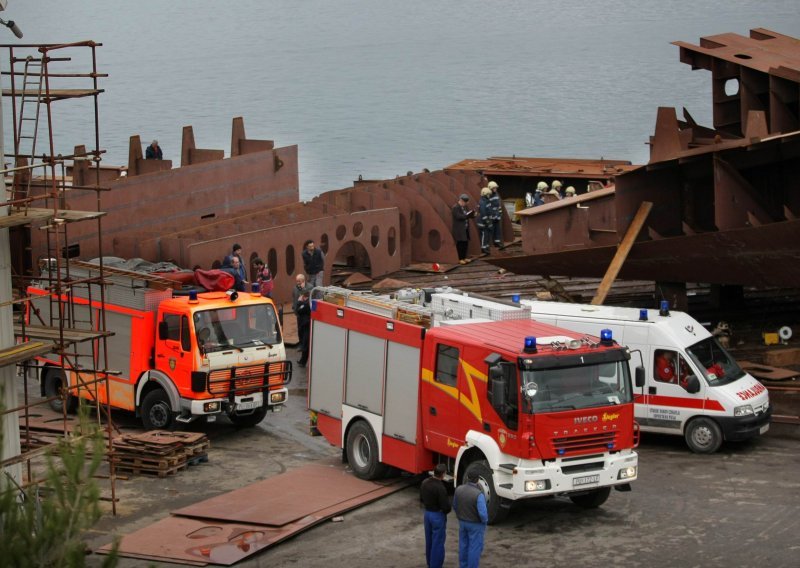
x: 584, y: 386
x: 718, y: 367
x: 238, y: 327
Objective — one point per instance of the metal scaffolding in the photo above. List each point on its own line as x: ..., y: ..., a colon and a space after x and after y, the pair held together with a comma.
x: 58, y: 339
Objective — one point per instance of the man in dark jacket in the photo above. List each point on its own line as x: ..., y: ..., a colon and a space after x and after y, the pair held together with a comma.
x: 313, y: 263
x: 461, y: 217
x: 433, y: 495
x: 303, y: 317
x: 469, y: 503
x: 153, y: 151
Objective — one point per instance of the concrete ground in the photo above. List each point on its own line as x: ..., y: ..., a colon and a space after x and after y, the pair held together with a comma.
x: 738, y: 507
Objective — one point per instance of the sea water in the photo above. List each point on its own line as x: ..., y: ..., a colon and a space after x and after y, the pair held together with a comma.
x: 379, y: 88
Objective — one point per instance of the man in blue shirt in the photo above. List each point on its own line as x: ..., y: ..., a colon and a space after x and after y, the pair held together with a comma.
x: 469, y: 503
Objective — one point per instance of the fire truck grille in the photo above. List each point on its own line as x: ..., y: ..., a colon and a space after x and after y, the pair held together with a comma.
x: 246, y: 380
x: 584, y: 443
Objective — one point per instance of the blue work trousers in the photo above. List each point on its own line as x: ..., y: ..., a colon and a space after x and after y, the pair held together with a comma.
x: 435, y: 533
x: 470, y: 543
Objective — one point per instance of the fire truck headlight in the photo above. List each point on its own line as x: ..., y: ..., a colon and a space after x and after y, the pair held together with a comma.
x: 627, y: 472
x: 210, y: 407
x: 277, y: 397
x: 536, y: 485
x: 744, y: 410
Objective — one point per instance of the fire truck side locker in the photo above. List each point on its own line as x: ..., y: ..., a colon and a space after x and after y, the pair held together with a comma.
x: 363, y: 370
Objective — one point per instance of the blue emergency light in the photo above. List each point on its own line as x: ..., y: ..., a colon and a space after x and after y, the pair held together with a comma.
x: 664, y: 308
x: 643, y: 314
x: 606, y: 337
x: 256, y: 288
x: 530, y: 344
x: 192, y: 296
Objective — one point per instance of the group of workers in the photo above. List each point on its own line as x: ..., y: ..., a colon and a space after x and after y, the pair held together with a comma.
x: 488, y: 218
x: 547, y: 194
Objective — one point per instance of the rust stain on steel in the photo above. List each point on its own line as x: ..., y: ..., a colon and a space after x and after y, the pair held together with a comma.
x: 238, y: 524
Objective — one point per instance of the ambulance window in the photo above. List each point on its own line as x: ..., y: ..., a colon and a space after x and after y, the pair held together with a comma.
x: 173, y: 322
x: 664, y: 366
x: 446, y: 365
x: 186, y: 341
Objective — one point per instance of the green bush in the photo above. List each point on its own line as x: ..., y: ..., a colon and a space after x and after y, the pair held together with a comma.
x: 43, y: 524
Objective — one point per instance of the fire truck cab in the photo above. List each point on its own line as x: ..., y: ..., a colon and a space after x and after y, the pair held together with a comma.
x: 536, y: 410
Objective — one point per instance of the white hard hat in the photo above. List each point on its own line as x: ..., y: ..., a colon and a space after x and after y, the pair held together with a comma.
x: 486, y: 192
x: 552, y: 192
x: 570, y: 190
x: 492, y: 185
x: 541, y: 186
x: 556, y: 183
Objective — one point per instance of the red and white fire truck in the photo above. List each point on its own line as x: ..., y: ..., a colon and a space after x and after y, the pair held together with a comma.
x: 168, y: 359
x: 536, y: 410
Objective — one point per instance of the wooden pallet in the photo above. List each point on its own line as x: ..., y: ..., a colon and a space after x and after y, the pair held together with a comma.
x: 147, y: 470
x: 159, y: 452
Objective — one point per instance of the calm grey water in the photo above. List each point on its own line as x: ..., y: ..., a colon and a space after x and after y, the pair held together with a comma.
x: 381, y: 87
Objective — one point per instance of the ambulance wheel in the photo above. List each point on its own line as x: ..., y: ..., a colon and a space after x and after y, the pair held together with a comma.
x: 54, y: 383
x: 248, y: 420
x: 593, y: 499
x: 362, y: 452
x: 703, y: 436
x: 496, y: 507
x: 156, y: 411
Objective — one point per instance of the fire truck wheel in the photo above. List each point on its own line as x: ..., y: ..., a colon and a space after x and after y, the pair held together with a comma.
x: 249, y: 420
x: 703, y: 436
x: 593, y: 499
x: 496, y: 507
x: 362, y: 452
x: 54, y: 383
x: 156, y: 411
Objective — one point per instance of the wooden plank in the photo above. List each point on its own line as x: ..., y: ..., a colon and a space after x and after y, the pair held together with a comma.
x: 622, y: 253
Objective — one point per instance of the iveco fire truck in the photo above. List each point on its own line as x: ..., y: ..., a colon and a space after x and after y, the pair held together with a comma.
x: 534, y: 409
x: 168, y: 359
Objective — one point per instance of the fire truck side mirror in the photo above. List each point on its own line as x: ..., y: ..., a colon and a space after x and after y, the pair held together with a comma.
x: 498, y: 393
x: 639, y: 373
x: 163, y: 331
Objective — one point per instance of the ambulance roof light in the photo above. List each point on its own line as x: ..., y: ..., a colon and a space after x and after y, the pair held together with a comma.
x: 643, y: 314
x: 663, y: 308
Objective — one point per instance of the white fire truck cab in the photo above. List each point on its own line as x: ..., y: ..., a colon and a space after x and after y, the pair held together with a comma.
x: 694, y: 387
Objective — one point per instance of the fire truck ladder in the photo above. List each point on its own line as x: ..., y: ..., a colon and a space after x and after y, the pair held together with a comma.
x: 29, y: 113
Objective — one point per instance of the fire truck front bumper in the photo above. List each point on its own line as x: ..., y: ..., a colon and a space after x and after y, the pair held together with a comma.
x: 529, y: 479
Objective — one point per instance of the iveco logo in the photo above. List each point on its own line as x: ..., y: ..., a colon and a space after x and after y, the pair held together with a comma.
x: 585, y: 419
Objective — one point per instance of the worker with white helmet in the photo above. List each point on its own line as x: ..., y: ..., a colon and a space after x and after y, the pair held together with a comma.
x: 569, y: 192
x: 497, y: 214
x: 485, y: 220
x: 558, y: 187
x: 535, y: 199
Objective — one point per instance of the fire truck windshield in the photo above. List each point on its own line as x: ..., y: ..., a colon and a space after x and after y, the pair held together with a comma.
x: 573, y: 388
x: 236, y: 327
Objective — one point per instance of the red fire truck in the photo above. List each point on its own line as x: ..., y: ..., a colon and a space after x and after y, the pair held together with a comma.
x: 168, y: 359
x: 535, y: 409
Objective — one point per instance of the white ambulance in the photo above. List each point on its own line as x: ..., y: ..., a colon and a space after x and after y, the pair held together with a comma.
x: 693, y: 386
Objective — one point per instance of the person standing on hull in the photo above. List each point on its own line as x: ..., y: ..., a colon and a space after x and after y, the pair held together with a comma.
x: 313, y: 263
x: 469, y: 503
x: 497, y: 214
x: 433, y: 495
x: 485, y: 219
x: 153, y: 151
x: 461, y: 217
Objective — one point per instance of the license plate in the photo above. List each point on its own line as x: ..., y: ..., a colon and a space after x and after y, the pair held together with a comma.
x: 585, y: 480
x: 763, y: 429
x: 249, y: 402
